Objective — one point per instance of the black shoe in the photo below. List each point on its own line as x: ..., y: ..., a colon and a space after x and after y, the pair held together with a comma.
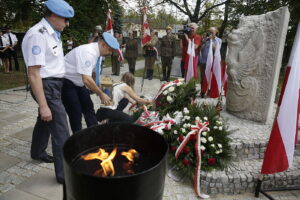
x: 46, y: 159
x: 60, y: 180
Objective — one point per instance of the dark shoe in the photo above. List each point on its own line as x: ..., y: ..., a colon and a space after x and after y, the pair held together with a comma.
x: 46, y: 159
x: 60, y: 180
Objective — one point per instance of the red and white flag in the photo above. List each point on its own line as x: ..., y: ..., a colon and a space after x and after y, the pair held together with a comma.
x: 280, y: 150
x: 216, y: 75
x: 192, y: 64
x: 109, y: 26
x: 109, y: 29
x: 208, y: 69
x: 146, y: 28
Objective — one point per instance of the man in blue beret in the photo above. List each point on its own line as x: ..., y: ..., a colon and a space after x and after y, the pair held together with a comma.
x: 81, y: 62
x: 44, y: 59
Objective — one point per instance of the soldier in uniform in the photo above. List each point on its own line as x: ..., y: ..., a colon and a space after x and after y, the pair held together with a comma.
x: 131, y: 52
x: 115, y: 63
x: 167, y: 49
x: 150, y: 54
x: 44, y: 59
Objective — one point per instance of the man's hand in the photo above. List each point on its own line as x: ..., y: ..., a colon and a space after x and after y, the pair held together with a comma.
x: 105, y: 99
x: 45, y: 113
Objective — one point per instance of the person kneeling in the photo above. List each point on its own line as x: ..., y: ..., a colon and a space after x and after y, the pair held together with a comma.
x: 122, y: 93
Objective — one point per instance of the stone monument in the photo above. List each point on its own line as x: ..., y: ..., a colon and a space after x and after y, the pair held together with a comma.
x: 254, y: 57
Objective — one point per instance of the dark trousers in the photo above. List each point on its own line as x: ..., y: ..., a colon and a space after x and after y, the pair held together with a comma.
x: 15, y: 57
x: 115, y: 64
x: 131, y: 64
x: 57, y: 127
x: 202, y: 71
x: 116, y: 115
x: 77, y: 101
x: 182, y: 69
x: 166, y: 63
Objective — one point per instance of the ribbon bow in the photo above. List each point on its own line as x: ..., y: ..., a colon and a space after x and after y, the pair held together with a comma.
x: 195, y: 130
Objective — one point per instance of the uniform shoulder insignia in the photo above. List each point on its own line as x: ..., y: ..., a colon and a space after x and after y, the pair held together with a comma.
x: 42, y: 30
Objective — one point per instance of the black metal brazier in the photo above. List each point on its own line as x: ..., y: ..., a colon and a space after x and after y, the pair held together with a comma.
x: 147, y: 184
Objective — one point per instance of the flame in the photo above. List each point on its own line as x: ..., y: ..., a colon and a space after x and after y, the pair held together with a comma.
x: 107, y: 161
x: 106, y: 164
x: 131, y: 154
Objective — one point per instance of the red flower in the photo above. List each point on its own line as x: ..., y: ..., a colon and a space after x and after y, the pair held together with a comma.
x: 181, y: 138
x: 185, y: 162
x: 186, y: 150
x: 211, y: 161
x: 193, y: 137
x: 173, y: 148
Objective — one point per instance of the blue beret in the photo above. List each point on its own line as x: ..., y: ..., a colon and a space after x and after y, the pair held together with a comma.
x: 110, y: 40
x: 60, y: 8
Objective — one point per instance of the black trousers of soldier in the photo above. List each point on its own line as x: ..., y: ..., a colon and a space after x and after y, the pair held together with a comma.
x: 77, y: 102
x: 15, y: 57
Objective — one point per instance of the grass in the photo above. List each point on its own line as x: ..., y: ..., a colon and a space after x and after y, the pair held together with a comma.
x: 14, y: 78
x: 157, y: 73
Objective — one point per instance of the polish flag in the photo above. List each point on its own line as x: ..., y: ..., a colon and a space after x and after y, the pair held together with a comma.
x: 146, y: 28
x: 109, y: 26
x: 208, y: 69
x: 109, y: 29
x: 216, y: 76
x: 192, y: 64
x: 280, y: 150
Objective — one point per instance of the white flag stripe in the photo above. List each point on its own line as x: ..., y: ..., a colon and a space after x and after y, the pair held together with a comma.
x: 287, y: 116
x: 209, y: 62
x: 191, y: 53
x: 217, y: 66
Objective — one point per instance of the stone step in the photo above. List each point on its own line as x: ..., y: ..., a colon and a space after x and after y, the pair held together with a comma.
x: 241, y: 177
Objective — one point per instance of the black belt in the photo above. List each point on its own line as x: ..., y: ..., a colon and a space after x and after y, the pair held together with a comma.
x: 53, y: 79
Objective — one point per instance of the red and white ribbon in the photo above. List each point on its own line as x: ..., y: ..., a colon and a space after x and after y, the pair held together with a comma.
x: 146, y: 116
x: 195, y: 130
x: 167, y: 85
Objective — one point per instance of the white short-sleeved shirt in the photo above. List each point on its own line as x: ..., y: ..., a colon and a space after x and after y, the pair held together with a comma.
x: 13, y: 37
x: 4, y: 41
x: 81, y: 61
x: 41, y: 46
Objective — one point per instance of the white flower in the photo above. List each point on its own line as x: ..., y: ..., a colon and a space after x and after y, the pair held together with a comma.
x: 205, y: 118
x: 210, y: 138
x: 215, y: 127
x: 165, y: 92
x: 203, y: 140
x: 220, y: 128
x: 220, y: 145
x: 169, y: 99
x: 220, y: 150
x: 189, y: 125
x: 202, y: 147
x: 197, y: 118
x: 204, y: 133
x: 175, y: 132
x: 217, y: 152
x: 179, y: 84
x: 184, y: 125
x: 183, y: 130
x: 186, y: 111
x: 160, y: 131
x: 213, y: 145
x: 171, y: 89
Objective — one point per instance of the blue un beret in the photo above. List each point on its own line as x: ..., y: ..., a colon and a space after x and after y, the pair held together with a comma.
x: 110, y: 40
x: 60, y: 8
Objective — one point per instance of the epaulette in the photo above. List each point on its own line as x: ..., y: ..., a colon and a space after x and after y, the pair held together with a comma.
x: 42, y: 30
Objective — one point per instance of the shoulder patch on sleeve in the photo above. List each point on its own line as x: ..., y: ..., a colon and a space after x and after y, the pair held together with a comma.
x: 36, y: 50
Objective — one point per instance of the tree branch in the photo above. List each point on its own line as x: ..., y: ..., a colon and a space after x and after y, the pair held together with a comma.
x: 209, y: 9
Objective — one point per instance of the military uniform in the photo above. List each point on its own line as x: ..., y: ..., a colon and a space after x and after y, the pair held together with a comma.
x: 131, y: 53
x: 167, y: 49
x: 42, y: 48
x: 115, y: 63
x: 150, y: 56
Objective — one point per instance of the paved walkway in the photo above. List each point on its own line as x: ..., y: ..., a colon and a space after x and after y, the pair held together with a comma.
x: 22, y: 178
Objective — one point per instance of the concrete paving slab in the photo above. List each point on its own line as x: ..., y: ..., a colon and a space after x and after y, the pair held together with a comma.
x: 7, y: 161
x: 15, y: 118
x: 25, y: 134
x: 19, y: 195
x: 44, y: 185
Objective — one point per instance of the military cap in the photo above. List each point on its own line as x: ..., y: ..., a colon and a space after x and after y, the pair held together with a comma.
x: 60, y: 8
x: 110, y: 40
x: 168, y: 28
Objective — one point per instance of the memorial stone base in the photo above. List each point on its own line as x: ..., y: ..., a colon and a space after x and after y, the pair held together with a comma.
x: 249, y: 140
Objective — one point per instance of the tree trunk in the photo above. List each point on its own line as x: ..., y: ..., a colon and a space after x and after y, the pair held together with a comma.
x: 224, y: 23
